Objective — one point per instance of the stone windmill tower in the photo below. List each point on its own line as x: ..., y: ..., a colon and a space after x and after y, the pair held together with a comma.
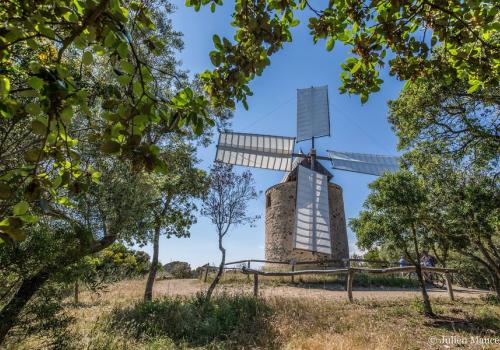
x: 305, y: 217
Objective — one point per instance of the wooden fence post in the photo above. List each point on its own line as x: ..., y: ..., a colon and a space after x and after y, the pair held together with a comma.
x: 255, y: 285
x: 248, y: 266
x: 449, y: 287
x: 206, y: 273
x: 350, y: 277
x: 77, y: 292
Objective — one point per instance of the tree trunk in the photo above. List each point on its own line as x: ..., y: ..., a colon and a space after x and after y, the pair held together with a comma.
x: 148, y: 293
x: 495, y: 282
x: 11, y: 311
x: 77, y: 292
x: 28, y: 288
x: 219, y: 272
x: 418, y: 270
x: 497, y: 286
x: 495, y: 275
x: 425, y: 296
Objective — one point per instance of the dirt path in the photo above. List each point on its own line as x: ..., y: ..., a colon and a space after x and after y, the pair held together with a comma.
x: 192, y: 286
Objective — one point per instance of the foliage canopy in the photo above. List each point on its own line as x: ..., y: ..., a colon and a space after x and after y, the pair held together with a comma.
x: 400, y: 33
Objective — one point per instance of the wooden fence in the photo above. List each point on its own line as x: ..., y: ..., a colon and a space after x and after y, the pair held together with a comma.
x: 344, y: 262
x: 350, y: 272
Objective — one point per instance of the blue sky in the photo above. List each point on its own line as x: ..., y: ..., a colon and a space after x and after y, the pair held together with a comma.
x: 355, y: 127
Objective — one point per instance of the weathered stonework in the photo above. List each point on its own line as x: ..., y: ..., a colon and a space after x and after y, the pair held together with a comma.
x: 280, y: 219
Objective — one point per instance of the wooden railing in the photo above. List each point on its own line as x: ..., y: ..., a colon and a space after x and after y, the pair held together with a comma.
x: 351, y: 271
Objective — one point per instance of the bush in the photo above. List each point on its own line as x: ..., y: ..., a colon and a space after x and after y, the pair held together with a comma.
x: 232, y: 319
x: 179, y: 269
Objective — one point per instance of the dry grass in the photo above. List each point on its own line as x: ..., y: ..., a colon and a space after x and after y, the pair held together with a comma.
x: 295, y: 323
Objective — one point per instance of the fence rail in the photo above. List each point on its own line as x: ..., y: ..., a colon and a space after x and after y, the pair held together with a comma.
x: 351, y: 271
x: 309, y: 262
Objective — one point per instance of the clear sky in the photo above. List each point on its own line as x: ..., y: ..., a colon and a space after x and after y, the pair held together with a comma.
x: 301, y: 64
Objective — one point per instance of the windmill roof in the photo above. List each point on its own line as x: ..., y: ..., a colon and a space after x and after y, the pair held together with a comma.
x: 306, y: 162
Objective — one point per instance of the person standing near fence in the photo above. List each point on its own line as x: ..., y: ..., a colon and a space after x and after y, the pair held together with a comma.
x: 402, y: 263
x: 427, y: 261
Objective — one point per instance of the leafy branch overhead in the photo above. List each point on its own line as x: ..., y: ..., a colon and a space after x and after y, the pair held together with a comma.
x: 78, y: 72
x: 402, y: 34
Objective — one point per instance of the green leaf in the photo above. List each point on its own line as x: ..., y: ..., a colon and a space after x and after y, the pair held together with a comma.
x: 364, y: 98
x: 330, y: 44
x: 109, y: 41
x: 473, y: 88
x: 127, y: 67
x: 217, y: 41
x: 4, y: 85
x: 29, y: 219
x: 38, y: 127
x: 87, y: 58
x: 137, y: 88
x: 122, y: 50
x: 96, y: 176
x: 67, y: 114
x: 20, y: 208
x: 356, y: 67
x: 32, y: 155
x: 36, y: 83
x: 110, y: 147
x: 5, y: 191
x: 215, y: 58
x: 33, y: 108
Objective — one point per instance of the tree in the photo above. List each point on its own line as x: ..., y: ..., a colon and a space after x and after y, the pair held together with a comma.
x: 439, y: 117
x: 109, y: 210
x: 401, y: 33
x: 83, y: 86
x: 112, y: 264
x: 226, y: 206
x: 463, y: 213
x: 84, y: 71
x: 173, y: 207
x: 393, y: 215
x: 453, y: 143
x: 178, y: 269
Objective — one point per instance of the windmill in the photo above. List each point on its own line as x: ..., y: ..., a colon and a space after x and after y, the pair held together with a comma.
x: 314, y: 222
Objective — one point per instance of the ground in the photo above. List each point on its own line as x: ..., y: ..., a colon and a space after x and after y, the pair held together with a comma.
x: 315, y: 291
x: 313, y: 316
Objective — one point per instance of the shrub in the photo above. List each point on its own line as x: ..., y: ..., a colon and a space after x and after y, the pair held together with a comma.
x: 232, y: 319
x: 178, y: 269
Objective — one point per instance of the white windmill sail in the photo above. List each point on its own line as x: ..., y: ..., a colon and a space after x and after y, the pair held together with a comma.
x: 312, y: 217
x: 373, y: 164
x: 313, y: 117
x: 259, y: 151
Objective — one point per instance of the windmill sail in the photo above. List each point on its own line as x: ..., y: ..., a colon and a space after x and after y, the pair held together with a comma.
x: 364, y: 163
x: 313, y: 117
x: 312, y: 218
x: 259, y: 151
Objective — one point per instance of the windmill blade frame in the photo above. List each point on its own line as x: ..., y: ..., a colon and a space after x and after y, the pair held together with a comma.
x: 312, y: 213
x: 256, y: 150
x: 372, y: 164
x: 313, y: 113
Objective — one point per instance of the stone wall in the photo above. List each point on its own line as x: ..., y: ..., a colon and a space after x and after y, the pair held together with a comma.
x: 280, y: 219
